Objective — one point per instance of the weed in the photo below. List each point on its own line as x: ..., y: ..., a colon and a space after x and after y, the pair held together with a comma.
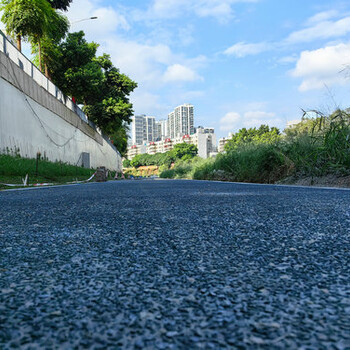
x: 14, y: 168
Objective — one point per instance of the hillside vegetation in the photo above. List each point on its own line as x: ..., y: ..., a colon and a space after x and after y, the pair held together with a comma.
x: 315, y: 147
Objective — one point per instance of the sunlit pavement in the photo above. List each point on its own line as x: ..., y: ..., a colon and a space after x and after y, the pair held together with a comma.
x: 175, y: 265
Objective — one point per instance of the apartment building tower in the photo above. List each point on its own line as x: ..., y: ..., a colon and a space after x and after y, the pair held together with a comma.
x: 143, y: 129
x: 161, y: 130
x: 180, y: 121
x: 149, y: 129
x: 137, y: 129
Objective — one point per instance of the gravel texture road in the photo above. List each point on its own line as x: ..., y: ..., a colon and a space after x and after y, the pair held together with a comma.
x: 175, y: 265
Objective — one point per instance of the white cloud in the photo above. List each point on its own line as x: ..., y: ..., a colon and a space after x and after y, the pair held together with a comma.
x: 178, y: 72
x: 230, y: 121
x: 143, y: 63
x: 221, y: 10
x: 322, y: 67
x: 257, y: 118
x: 288, y: 59
x: 145, y: 102
x: 323, y: 16
x: 108, y: 19
x: 234, y: 121
x: 243, y: 49
x: 321, y: 30
x: 185, y: 35
x: 151, y: 65
x: 322, y: 26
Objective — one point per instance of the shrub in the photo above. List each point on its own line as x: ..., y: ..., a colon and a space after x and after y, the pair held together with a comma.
x: 167, y: 174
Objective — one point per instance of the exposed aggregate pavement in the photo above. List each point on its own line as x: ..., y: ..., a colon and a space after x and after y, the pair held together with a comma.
x: 175, y: 265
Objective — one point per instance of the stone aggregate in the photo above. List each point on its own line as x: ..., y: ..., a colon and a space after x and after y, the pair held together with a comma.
x: 175, y: 265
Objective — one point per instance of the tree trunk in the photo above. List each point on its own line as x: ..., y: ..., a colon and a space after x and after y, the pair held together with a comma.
x: 19, y: 43
x: 47, y: 74
x: 39, y: 47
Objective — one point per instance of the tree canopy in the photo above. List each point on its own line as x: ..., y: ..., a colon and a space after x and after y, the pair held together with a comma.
x: 153, y: 159
x: 263, y: 134
x: 60, y: 4
x: 74, y: 69
x: 94, y: 82
x: 37, y: 22
x: 110, y: 106
x: 181, y: 151
x: 184, y: 151
x: 47, y: 53
x: 119, y: 138
x: 29, y: 19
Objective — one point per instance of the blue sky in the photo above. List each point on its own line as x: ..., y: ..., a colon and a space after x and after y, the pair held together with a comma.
x: 241, y: 63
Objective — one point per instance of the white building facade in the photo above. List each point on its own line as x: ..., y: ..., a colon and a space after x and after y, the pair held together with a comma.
x: 143, y: 129
x: 161, y: 130
x: 223, y: 141
x: 137, y: 129
x: 181, y: 121
x: 205, y: 142
x: 149, y: 129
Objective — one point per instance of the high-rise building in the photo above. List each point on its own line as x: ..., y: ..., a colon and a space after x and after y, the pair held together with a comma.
x: 171, y: 125
x: 137, y: 129
x: 180, y: 121
x: 149, y: 129
x: 161, y: 130
x: 143, y: 129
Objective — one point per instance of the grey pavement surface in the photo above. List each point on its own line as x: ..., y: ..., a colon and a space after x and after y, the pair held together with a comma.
x: 175, y: 265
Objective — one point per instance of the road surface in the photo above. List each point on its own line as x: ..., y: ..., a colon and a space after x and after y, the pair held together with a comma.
x: 175, y: 265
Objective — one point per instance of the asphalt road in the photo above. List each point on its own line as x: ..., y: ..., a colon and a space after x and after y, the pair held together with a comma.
x: 175, y: 265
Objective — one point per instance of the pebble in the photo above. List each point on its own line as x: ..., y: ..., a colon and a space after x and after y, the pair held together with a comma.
x: 174, y: 265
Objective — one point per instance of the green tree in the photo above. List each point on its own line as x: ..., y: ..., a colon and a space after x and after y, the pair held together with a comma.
x: 110, y: 108
x: 263, y: 134
x: 29, y: 19
x: 60, y: 4
x: 159, y: 159
x: 136, y: 161
x: 182, y: 150
x: 57, y: 30
x: 307, y: 126
x: 126, y: 163
x: 96, y: 83
x: 74, y: 69
x: 119, y: 138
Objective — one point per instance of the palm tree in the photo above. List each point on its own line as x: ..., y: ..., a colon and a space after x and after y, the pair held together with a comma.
x: 28, y: 19
x: 58, y: 28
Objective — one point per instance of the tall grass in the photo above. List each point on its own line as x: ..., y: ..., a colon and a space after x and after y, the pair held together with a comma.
x: 323, y: 149
x: 14, y: 167
x: 251, y: 163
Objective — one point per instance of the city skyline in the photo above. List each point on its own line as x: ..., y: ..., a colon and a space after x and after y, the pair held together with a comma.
x: 151, y: 136
x: 145, y: 128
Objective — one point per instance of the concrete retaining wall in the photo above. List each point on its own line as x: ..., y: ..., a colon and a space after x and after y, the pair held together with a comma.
x: 33, y: 120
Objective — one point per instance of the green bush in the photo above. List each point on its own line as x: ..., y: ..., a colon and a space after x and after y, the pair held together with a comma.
x: 167, y: 174
x: 249, y: 163
x: 126, y: 163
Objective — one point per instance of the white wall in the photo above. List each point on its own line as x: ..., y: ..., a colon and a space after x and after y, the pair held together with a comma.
x: 35, y: 116
x: 42, y: 130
